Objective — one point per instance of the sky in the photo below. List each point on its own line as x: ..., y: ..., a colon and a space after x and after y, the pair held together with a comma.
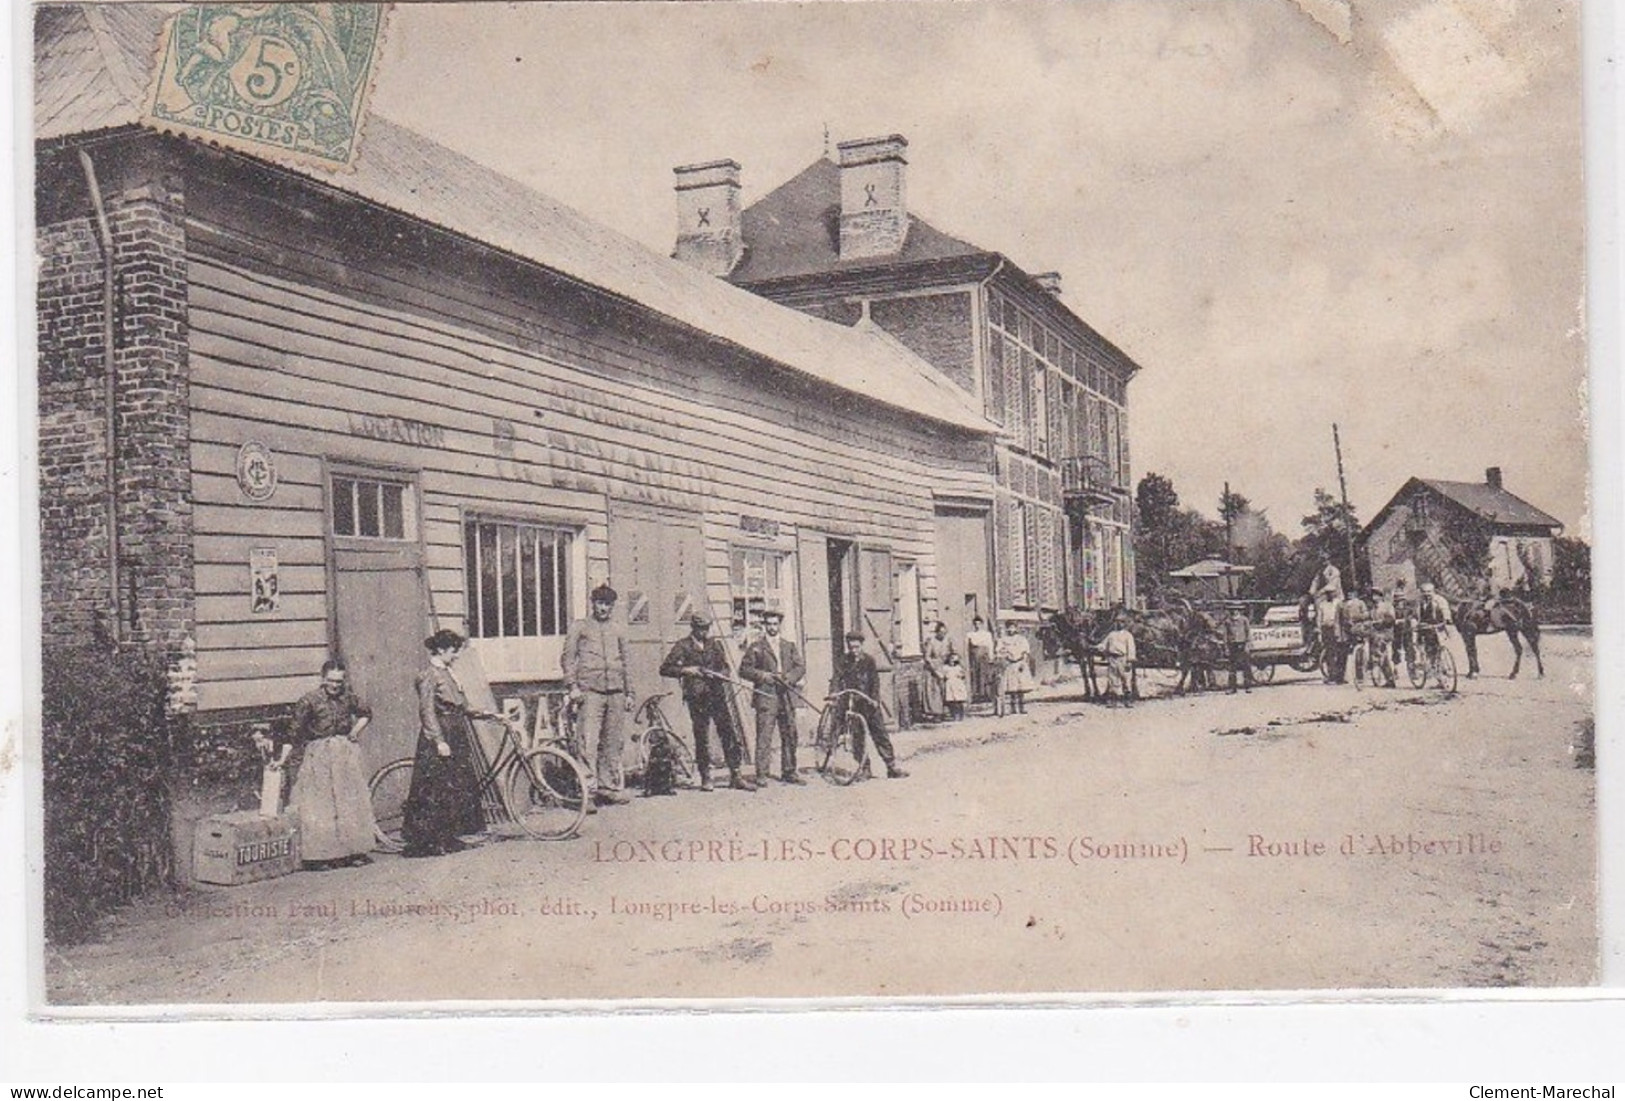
x: 1290, y: 213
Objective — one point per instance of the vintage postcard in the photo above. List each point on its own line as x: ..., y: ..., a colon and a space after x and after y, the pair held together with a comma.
x: 602, y: 503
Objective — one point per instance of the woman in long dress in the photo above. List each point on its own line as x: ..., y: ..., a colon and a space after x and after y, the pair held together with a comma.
x: 936, y: 651
x: 443, y: 810
x: 336, y: 825
x: 1016, y: 677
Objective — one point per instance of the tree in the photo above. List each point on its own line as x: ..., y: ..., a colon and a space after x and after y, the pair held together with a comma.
x: 1570, y: 589
x: 1328, y: 532
x: 1156, y: 505
x: 1232, y: 505
x: 1167, y: 536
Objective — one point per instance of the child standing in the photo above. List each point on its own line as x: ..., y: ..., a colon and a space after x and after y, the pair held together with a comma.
x: 955, y: 687
x: 1016, y: 679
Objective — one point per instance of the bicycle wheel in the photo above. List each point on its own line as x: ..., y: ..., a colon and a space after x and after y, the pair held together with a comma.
x: 685, y: 754
x: 1378, y: 668
x: 1445, y: 671
x: 547, y: 794
x: 840, y: 762
x: 389, y: 787
x: 1417, y: 669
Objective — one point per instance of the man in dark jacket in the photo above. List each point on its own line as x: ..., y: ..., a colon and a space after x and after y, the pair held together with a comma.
x: 1237, y: 644
x: 701, y: 665
x: 856, y: 672
x: 773, y: 664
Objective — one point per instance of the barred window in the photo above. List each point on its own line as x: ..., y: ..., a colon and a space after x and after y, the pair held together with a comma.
x: 518, y: 579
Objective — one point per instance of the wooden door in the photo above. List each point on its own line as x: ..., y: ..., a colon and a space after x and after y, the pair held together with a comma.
x: 657, y: 564
x: 820, y: 632
x: 877, y: 618
x: 380, y: 620
x: 963, y: 576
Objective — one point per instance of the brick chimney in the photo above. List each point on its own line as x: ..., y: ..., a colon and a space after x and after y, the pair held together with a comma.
x: 1492, y: 477
x: 874, y: 207
x: 1049, y: 282
x: 708, y: 221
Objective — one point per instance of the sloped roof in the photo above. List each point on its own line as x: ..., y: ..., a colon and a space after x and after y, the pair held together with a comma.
x: 1492, y: 504
x: 1210, y: 568
x: 92, y: 66
x: 795, y: 229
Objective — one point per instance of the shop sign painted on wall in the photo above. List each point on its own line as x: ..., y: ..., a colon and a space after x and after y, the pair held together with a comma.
x: 397, y: 430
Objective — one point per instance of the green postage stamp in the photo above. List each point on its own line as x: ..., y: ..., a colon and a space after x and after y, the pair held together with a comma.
x: 292, y: 78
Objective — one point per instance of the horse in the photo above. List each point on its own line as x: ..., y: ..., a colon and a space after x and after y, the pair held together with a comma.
x: 1175, y: 636
x: 1079, y: 633
x: 1201, y: 653
x: 1509, y: 616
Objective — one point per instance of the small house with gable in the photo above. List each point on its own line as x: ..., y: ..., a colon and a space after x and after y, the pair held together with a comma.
x: 1462, y: 536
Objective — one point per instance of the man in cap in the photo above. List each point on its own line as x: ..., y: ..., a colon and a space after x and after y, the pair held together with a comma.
x: 1384, y: 626
x: 856, y: 671
x: 1354, y: 629
x: 700, y: 664
x: 1433, y: 621
x: 1237, y: 643
x: 774, y: 665
x: 1404, y: 624
x: 595, y: 669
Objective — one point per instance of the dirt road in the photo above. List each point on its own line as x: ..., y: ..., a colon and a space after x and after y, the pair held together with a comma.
x: 1299, y: 836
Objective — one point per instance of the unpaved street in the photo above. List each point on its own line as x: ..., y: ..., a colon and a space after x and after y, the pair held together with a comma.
x: 1301, y: 836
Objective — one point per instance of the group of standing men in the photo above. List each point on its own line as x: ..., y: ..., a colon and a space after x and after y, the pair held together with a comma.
x: 1375, y: 626
x: 596, y: 671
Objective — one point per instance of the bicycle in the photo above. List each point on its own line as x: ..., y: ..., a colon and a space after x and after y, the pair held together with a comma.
x: 541, y: 789
x: 1433, y: 661
x: 652, y: 723
x: 841, y: 740
x: 1380, y: 667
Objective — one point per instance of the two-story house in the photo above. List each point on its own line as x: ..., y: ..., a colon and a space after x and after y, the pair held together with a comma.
x: 838, y: 241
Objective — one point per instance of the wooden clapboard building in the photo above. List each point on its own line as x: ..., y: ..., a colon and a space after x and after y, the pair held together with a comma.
x: 838, y: 241
x: 350, y: 407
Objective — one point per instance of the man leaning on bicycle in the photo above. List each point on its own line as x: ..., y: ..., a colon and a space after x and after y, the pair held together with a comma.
x: 1432, y: 622
x: 857, y: 672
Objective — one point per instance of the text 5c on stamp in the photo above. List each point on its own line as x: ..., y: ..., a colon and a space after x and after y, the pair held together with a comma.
x: 291, y: 79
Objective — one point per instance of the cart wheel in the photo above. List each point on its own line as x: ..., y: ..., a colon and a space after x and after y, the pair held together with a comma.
x: 547, y: 794
x: 1264, y: 671
x: 389, y: 787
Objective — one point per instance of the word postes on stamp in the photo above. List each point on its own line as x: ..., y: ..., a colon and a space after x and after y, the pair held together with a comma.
x: 291, y: 79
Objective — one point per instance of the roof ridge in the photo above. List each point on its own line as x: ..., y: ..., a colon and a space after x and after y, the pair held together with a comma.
x: 112, y: 55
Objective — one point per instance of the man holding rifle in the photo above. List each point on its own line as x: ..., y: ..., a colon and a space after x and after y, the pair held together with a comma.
x: 773, y: 664
x: 700, y: 664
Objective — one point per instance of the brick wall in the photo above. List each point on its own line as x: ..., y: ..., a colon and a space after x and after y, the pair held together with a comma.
x: 146, y: 214
x: 72, y: 426
x: 935, y: 327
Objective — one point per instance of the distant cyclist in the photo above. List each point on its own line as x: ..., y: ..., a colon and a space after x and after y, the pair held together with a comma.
x: 1433, y: 622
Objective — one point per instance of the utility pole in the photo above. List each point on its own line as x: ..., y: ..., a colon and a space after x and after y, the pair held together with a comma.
x: 1229, y: 541
x: 1348, y: 514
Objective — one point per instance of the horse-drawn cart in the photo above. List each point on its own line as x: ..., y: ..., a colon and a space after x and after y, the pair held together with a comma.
x: 1282, y: 637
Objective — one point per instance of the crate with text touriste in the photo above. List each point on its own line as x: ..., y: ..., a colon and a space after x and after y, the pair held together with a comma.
x: 247, y: 846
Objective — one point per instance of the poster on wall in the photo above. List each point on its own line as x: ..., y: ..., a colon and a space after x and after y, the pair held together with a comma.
x: 265, y: 582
